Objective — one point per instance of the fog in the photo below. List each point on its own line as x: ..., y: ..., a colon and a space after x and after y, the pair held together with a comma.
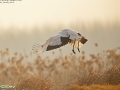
x: 106, y: 35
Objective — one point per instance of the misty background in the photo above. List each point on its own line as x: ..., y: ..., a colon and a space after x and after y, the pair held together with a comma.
x: 105, y: 35
x: 27, y: 22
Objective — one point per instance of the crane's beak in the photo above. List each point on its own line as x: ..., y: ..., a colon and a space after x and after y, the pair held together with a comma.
x: 83, y: 40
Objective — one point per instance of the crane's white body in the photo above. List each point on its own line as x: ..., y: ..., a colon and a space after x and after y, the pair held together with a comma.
x: 73, y: 34
x: 56, y: 41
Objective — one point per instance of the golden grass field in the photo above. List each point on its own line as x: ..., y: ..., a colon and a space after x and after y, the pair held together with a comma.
x: 100, y: 72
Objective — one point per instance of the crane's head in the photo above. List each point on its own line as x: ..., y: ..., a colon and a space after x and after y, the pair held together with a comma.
x: 83, y: 40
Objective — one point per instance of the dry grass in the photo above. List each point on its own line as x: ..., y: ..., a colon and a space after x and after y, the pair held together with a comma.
x: 111, y: 77
x: 93, y: 87
x: 101, y: 71
x: 34, y: 82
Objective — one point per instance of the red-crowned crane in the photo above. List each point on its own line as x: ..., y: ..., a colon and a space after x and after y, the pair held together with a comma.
x: 64, y: 37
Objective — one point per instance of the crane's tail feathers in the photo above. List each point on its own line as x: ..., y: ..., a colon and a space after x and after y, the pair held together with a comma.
x: 37, y: 49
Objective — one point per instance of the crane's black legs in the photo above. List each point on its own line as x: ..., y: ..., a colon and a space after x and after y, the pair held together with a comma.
x: 78, y: 47
x: 73, y: 48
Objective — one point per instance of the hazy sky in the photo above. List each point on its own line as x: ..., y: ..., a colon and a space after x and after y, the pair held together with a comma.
x: 27, y: 13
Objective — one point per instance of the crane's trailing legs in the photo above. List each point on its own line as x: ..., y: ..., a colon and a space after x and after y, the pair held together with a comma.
x: 73, y: 48
x: 78, y: 47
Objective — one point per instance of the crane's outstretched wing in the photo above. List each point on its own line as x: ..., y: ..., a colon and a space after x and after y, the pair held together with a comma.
x: 52, y: 43
x: 59, y: 42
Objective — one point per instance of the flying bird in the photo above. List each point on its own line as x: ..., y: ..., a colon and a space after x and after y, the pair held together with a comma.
x: 66, y: 36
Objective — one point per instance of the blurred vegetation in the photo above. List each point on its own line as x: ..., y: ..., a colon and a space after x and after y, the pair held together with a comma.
x: 64, y: 72
x: 105, y: 33
x: 101, y: 71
